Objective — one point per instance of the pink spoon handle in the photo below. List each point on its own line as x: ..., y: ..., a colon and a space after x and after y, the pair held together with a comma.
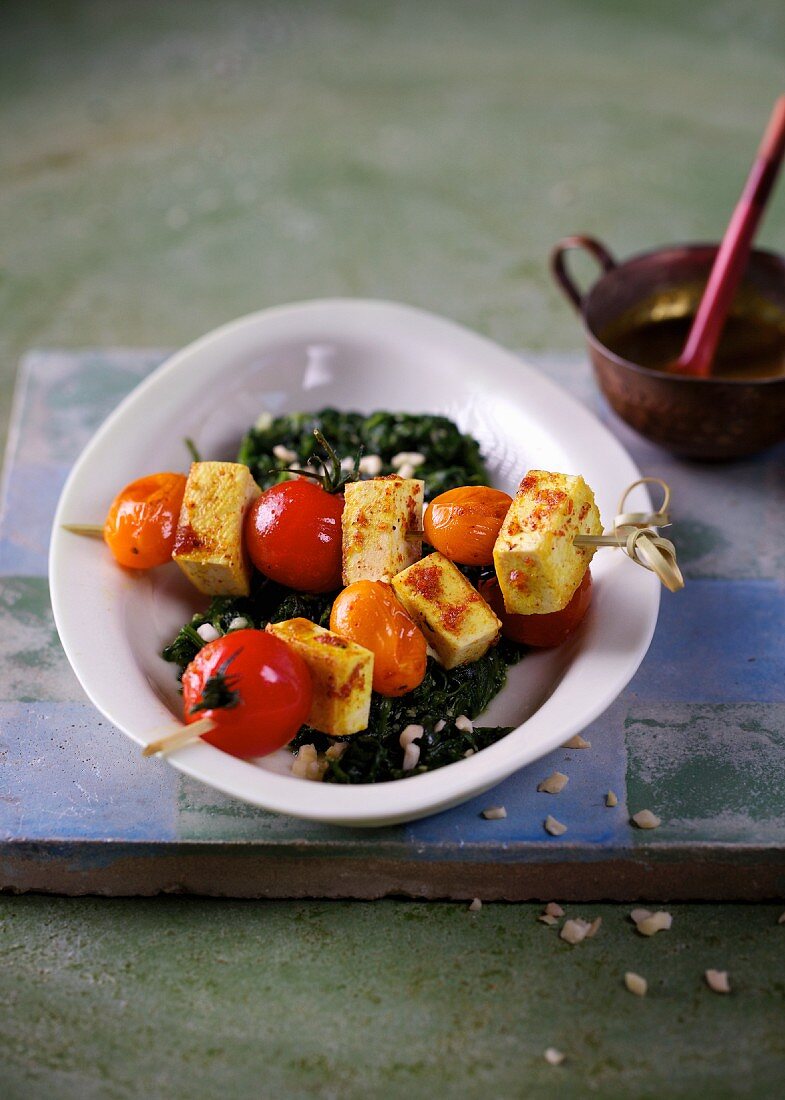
x: 731, y: 260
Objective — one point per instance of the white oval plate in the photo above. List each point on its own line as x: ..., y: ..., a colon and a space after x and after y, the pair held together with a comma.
x: 362, y: 355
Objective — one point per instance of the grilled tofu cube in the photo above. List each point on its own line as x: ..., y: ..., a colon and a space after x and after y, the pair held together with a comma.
x: 453, y: 616
x: 341, y: 671
x: 382, y: 527
x: 536, y: 562
x: 208, y: 544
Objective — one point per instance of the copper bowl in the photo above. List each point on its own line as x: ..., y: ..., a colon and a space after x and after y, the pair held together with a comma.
x: 704, y: 418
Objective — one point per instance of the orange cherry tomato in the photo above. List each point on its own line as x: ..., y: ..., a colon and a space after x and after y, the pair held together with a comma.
x: 543, y: 631
x: 368, y: 613
x: 142, y: 520
x: 463, y: 523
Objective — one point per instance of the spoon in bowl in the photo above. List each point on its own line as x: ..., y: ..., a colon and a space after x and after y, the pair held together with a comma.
x: 697, y: 356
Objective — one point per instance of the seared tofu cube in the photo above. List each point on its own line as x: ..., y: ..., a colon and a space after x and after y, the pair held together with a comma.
x: 208, y: 544
x: 536, y: 562
x: 382, y: 527
x: 453, y: 616
x: 341, y: 671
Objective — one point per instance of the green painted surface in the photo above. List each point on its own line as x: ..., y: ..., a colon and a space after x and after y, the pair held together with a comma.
x: 173, y: 166
x: 190, y: 998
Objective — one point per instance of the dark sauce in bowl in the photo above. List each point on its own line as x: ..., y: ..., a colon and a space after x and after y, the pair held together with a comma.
x: 752, y: 345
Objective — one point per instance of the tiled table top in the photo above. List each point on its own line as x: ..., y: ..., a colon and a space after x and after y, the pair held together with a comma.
x: 698, y: 736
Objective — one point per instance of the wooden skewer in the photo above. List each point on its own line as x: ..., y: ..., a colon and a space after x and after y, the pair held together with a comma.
x: 183, y: 735
x: 92, y: 530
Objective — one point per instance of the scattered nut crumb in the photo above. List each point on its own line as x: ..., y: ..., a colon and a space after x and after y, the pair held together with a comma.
x: 611, y: 799
x: 555, y: 783
x: 717, y: 981
x: 439, y: 726
x: 645, y: 819
x: 576, y: 742
x: 475, y: 906
x: 464, y: 724
x: 494, y: 813
x: 781, y: 918
x: 554, y: 1057
x: 636, y: 984
x: 573, y: 931
x: 637, y: 915
x: 546, y: 918
x: 554, y: 827
x: 553, y: 909
x: 657, y: 922
x: 336, y: 751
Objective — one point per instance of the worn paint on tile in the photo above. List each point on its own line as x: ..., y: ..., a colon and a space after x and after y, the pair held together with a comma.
x: 712, y: 773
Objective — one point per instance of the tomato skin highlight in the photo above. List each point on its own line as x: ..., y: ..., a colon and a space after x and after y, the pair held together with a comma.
x: 293, y: 535
x: 368, y: 613
x: 274, y: 688
x: 541, y: 631
x: 463, y: 523
x: 141, y: 522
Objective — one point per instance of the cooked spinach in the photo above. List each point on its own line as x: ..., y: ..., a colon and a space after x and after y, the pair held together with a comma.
x: 375, y: 755
x: 452, y: 458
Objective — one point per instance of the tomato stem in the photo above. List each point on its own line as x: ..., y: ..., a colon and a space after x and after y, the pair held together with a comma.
x: 333, y: 480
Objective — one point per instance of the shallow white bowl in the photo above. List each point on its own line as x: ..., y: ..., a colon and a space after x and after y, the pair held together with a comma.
x: 353, y: 355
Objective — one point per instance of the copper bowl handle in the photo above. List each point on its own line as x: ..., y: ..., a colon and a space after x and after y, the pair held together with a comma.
x: 559, y: 266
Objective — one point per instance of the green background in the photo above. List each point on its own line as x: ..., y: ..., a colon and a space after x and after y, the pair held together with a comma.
x: 168, y: 166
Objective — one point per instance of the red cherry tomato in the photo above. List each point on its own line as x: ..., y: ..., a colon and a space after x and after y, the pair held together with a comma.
x: 543, y: 631
x: 463, y: 523
x: 368, y: 612
x: 255, y: 688
x: 141, y: 522
x: 293, y: 535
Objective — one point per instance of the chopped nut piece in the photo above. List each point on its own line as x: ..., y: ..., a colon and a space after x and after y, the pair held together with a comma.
x: 554, y: 1057
x: 555, y: 783
x: 637, y: 915
x: 371, y: 465
x: 464, y: 724
x: 546, y: 918
x: 439, y: 726
x: 576, y: 742
x: 475, y: 906
x: 411, y: 752
x: 611, y: 799
x: 645, y: 819
x: 336, y: 751
x: 553, y: 909
x: 655, y: 923
x: 636, y: 984
x: 781, y: 918
x: 494, y: 813
x: 554, y: 827
x: 717, y: 981
x: 284, y: 454
x: 307, y: 765
x: 594, y: 928
x: 573, y: 931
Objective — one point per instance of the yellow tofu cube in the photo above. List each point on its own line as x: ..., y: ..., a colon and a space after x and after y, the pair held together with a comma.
x: 341, y: 671
x: 536, y: 562
x: 208, y: 544
x: 382, y: 527
x: 453, y: 616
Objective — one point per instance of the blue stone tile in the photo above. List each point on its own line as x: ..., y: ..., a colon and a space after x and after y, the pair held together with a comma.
x: 68, y: 774
x: 717, y: 641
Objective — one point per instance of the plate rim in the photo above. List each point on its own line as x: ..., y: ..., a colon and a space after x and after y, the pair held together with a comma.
x: 396, y: 801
